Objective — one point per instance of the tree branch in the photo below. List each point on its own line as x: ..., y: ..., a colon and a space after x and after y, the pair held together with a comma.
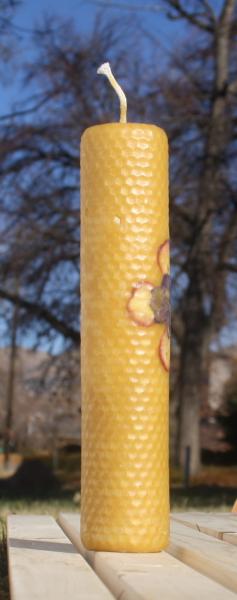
x: 182, y: 13
x: 42, y: 312
x: 192, y: 17
x: 177, y: 327
x: 223, y: 45
x: 209, y: 10
x: 232, y: 89
x: 228, y: 267
x: 126, y: 6
x: 227, y: 12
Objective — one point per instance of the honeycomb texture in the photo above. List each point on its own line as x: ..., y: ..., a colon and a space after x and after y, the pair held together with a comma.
x: 124, y: 213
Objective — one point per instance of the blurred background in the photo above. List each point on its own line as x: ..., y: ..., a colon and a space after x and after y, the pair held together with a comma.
x: 176, y: 61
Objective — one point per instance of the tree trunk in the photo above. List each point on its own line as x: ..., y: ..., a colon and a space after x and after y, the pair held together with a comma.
x: 192, y: 373
x: 10, y: 388
x: 201, y: 269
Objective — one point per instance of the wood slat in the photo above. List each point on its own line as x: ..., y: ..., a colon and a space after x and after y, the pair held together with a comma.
x: 209, y: 556
x: 234, y: 507
x: 141, y: 576
x: 44, y: 565
x: 222, y: 526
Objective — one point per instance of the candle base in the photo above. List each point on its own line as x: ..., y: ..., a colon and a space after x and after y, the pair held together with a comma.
x: 124, y: 542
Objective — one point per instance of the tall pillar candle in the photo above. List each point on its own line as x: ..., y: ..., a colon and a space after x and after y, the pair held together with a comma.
x: 125, y: 337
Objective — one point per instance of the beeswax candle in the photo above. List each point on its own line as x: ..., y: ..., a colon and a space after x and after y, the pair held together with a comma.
x: 124, y: 335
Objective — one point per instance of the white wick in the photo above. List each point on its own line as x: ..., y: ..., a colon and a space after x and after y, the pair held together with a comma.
x: 106, y: 70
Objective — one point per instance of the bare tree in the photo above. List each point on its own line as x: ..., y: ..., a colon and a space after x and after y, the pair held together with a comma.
x: 39, y: 172
x: 8, y: 31
x: 198, y: 102
x: 193, y: 97
x: 10, y: 389
x: 212, y: 222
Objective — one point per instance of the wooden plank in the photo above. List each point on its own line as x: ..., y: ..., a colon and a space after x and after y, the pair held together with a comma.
x: 234, y: 507
x: 222, y: 526
x: 156, y: 576
x: 230, y: 537
x: 209, y: 556
x: 44, y: 565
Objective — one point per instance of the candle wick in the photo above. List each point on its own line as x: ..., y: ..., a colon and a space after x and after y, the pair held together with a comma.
x: 106, y: 70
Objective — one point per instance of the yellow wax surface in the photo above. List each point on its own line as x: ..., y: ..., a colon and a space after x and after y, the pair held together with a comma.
x: 124, y: 215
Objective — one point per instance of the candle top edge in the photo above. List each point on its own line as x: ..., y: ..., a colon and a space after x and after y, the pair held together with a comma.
x: 126, y: 126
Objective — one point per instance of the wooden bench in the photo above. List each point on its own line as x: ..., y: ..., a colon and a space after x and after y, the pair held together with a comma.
x: 47, y: 561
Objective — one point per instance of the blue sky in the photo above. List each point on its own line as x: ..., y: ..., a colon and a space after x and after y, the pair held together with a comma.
x: 83, y: 13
